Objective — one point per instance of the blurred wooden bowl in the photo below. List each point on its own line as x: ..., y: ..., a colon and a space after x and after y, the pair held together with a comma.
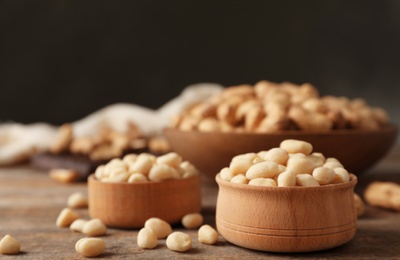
x: 286, y: 219
x: 357, y: 150
x: 129, y: 205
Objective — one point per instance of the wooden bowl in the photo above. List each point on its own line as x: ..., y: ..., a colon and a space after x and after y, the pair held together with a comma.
x: 129, y: 205
x: 286, y: 219
x: 357, y: 150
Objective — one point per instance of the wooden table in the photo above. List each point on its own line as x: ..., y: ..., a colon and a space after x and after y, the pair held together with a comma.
x: 30, y: 202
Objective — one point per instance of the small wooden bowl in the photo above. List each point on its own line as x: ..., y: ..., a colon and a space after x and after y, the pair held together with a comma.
x: 356, y: 149
x: 129, y: 205
x: 286, y: 219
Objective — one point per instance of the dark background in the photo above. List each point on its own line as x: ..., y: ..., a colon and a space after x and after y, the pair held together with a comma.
x: 61, y: 60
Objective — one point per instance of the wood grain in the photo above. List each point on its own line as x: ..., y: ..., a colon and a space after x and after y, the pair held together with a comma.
x: 129, y: 205
x: 30, y: 202
x: 286, y: 219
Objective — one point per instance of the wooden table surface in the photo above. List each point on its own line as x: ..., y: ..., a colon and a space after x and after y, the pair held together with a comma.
x: 30, y: 202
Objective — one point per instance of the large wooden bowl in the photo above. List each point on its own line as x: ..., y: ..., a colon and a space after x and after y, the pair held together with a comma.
x: 357, y: 150
x: 286, y: 219
x: 129, y: 205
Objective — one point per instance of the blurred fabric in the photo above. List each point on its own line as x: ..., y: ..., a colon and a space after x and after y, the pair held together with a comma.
x: 61, y: 60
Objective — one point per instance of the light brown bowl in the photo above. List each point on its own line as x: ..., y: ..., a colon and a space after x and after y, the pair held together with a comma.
x: 357, y: 150
x: 129, y: 205
x: 286, y: 219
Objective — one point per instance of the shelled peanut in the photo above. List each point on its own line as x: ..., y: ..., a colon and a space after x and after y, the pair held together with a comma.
x: 292, y: 164
x: 69, y: 218
x: 77, y: 200
x: 270, y: 107
x: 90, y: 247
x: 207, y: 235
x: 383, y: 194
x: 145, y: 167
x: 9, y: 245
x: 156, y: 228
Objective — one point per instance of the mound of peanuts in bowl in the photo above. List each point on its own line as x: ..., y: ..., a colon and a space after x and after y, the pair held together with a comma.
x: 291, y: 164
x: 145, y: 167
x: 269, y: 107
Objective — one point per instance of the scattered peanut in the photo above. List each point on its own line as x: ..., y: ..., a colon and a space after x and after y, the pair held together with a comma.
x: 207, y: 235
x: 78, y: 225
x: 94, y: 228
x: 159, y: 226
x: 64, y: 175
x: 147, y: 238
x: 66, y: 217
x: 192, y: 220
x: 9, y: 245
x: 90, y: 247
x: 383, y: 194
x: 179, y: 241
x: 77, y: 200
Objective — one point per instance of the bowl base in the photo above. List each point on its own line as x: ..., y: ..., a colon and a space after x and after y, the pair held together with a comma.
x: 287, y: 243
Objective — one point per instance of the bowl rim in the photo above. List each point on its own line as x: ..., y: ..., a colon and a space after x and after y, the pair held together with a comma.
x: 389, y: 128
x: 92, y: 178
x: 239, y: 186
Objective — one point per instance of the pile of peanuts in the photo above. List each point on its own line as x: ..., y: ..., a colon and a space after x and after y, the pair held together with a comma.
x: 107, y: 143
x: 90, y: 246
x: 147, y: 238
x: 156, y: 228
x: 270, y: 107
x: 145, y: 167
x: 292, y: 164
